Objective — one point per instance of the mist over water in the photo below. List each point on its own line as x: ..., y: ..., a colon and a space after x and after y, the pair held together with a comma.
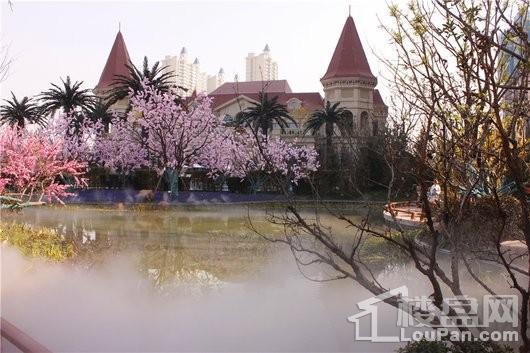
x: 179, y: 281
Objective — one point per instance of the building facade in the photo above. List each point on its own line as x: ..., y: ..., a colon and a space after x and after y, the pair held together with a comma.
x: 261, y: 67
x: 347, y: 81
x: 233, y: 97
x: 350, y: 82
x: 188, y: 75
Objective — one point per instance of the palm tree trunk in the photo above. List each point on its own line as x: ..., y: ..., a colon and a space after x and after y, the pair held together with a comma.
x: 265, y: 131
x: 330, y: 153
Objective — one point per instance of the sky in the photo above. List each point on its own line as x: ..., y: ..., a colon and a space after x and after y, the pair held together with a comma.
x: 49, y: 40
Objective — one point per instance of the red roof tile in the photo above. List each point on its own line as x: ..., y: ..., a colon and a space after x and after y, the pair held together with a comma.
x: 310, y: 100
x: 349, y: 59
x: 116, y: 63
x: 275, y: 86
x: 378, y: 100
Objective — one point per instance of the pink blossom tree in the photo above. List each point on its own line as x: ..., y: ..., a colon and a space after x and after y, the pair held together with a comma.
x: 245, y: 153
x: 162, y: 134
x: 76, y: 135
x: 33, y: 166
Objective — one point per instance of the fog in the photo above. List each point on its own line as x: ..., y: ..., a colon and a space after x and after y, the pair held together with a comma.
x: 119, y: 303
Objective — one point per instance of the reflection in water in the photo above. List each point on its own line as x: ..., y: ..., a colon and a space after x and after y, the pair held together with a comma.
x: 174, y: 248
x: 182, y: 280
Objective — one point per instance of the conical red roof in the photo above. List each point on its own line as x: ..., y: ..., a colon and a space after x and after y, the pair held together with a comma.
x: 349, y: 59
x: 116, y: 63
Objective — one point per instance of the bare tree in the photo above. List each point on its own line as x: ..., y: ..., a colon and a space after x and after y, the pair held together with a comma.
x: 461, y: 71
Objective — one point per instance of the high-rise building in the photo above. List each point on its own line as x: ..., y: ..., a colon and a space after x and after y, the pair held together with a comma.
x: 261, y: 67
x: 215, y: 81
x: 188, y: 75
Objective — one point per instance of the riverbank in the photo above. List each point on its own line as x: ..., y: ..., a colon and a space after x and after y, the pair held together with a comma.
x: 131, y: 196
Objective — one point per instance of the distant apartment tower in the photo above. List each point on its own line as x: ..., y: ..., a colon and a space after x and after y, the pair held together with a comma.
x: 188, y: 75
x: 215, y: 81
x: 261, y: 67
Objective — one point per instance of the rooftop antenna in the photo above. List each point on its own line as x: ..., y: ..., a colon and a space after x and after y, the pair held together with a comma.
x: 349, y: 10
x: 119, y: 26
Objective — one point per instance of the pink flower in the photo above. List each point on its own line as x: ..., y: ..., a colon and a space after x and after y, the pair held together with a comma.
x: 33, y: 164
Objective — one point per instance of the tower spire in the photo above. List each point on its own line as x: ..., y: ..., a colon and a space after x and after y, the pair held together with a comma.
x: 116, y: 63
x: 349, y: 59
x: 349, y: 10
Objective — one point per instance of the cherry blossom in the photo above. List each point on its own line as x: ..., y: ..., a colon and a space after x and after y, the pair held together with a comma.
x: 162, y: 134
x: 33, y: 166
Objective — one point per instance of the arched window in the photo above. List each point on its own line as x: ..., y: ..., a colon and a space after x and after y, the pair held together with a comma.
x: 293, y: 104
x: 375, y: 128
x: 364, y: 121
x: 347, y: 123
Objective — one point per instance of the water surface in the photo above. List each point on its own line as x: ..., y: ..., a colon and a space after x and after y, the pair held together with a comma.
x: 179, y: 279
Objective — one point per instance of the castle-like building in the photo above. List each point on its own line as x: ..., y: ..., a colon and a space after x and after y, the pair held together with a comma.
x: 348, y: 80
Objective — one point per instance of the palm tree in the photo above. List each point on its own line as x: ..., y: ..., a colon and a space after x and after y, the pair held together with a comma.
x: 100, y: 112
x: 68, y: 98
x: 155, y: 76
x: 19, y: 113
x: 263, y: 114
x: 330, y: 117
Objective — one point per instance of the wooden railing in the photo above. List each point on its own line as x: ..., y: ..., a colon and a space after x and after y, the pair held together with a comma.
x: 396, y: 209
x: 19, y: 339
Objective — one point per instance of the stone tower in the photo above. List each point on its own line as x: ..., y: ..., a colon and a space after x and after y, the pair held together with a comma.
x: 350, y: 82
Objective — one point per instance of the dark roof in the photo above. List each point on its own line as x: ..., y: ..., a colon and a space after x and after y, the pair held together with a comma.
x: 116, y: 63
x: 275, y: 86
x: 349, y: 59
x: 310, y: 100
x: 378, y: 100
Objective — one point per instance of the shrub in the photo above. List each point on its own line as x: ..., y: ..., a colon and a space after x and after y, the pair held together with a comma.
x: 42, y: 242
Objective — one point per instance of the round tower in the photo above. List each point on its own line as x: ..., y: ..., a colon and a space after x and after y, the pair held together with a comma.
x: 350, y: 82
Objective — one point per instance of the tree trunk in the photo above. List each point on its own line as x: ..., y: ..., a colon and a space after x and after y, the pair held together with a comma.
x: 265, y: 131
x: 330, y: 153
x: 172, y: 178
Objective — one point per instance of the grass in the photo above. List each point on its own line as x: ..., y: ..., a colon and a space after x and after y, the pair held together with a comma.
x: 36, y: 242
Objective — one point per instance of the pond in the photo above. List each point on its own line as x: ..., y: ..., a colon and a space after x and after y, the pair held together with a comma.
x: 179, y: 279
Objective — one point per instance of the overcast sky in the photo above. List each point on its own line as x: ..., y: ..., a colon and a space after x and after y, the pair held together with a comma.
x: 48, y: 40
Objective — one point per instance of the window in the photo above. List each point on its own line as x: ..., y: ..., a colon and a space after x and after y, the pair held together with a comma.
x: 364, y: 121
x: 293, y: 104
x: 364, y: 94
x: 348, y: 122
x: 347, y: 93
x: 375, y: 128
